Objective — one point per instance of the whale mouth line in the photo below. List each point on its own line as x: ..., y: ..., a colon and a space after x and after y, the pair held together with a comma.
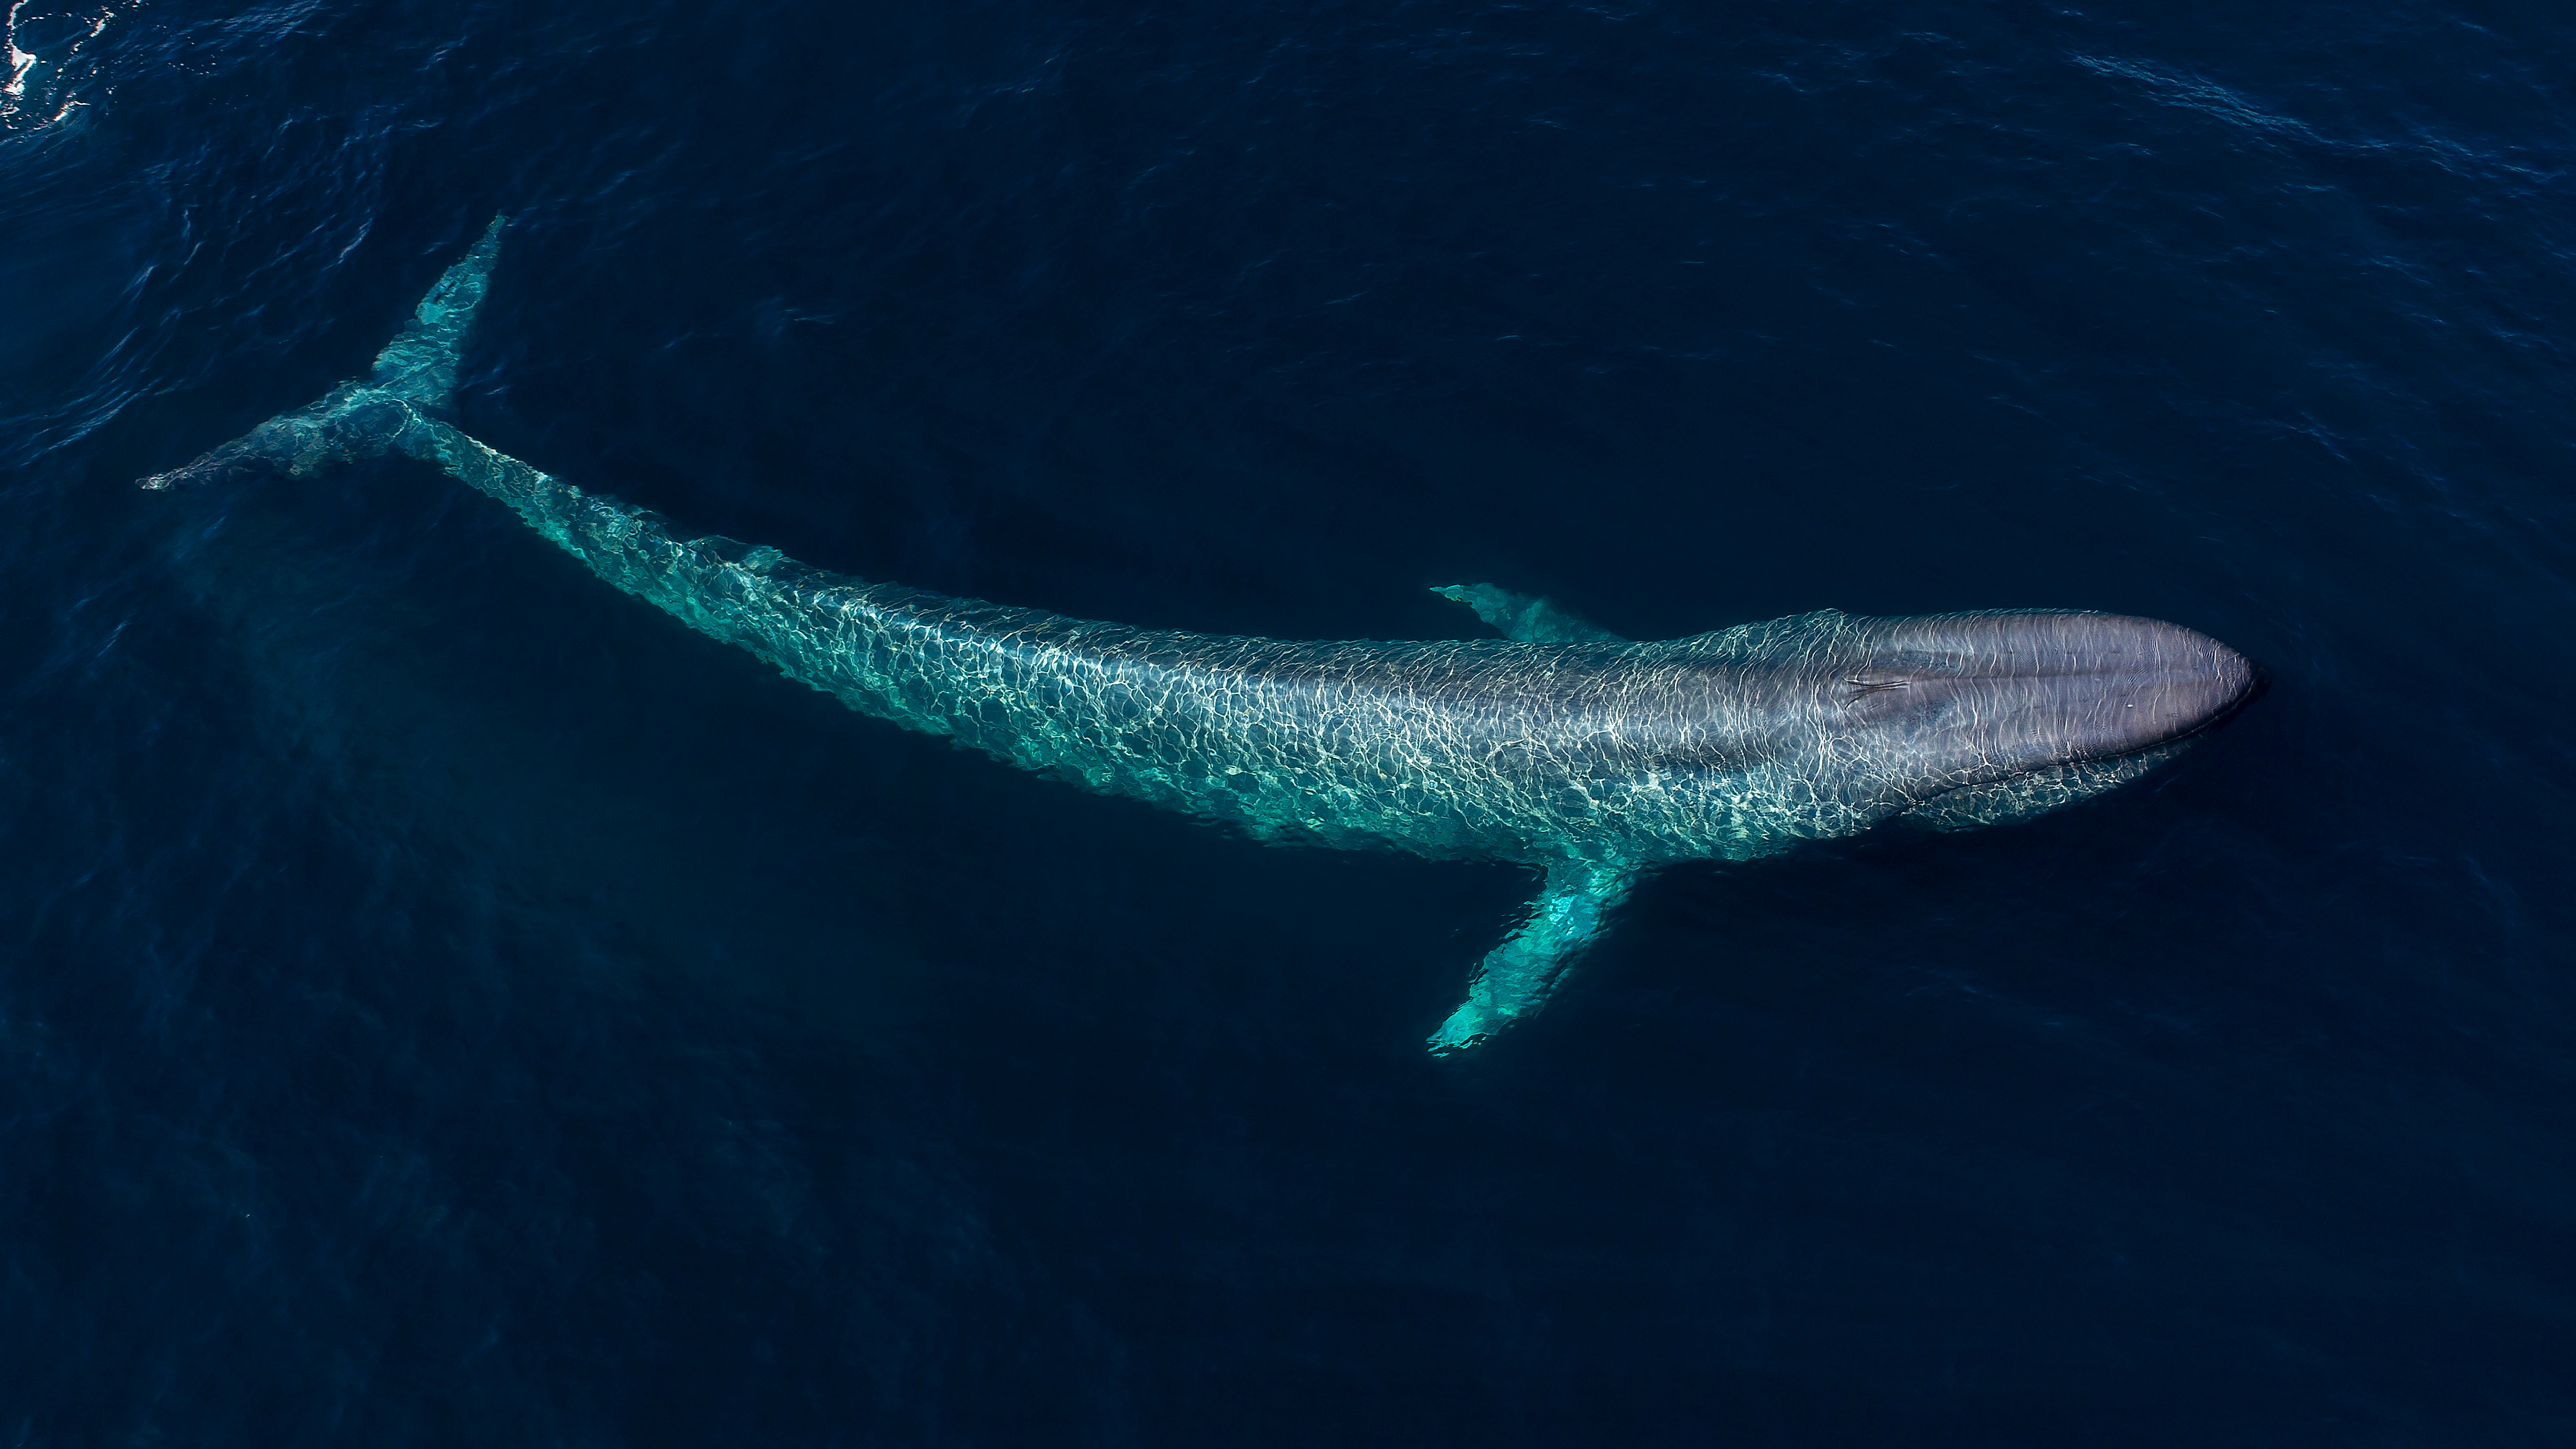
x: 2258, y: 681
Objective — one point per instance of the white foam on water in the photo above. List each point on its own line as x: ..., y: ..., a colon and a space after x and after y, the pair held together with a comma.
x: 22, y: 65
x: 20, y: 62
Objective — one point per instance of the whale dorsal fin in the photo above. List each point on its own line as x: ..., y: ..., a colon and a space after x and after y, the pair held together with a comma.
x: 1516, y: 977
x: 1524, y: 617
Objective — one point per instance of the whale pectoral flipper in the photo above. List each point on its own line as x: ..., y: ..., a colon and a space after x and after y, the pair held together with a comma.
x: 1525, y: 617
x: 1516, y: 977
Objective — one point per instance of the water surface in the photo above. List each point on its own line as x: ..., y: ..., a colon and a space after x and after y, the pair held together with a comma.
x: 443, y: 1000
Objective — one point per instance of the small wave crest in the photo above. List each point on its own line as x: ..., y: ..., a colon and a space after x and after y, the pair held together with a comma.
x: 40, y: 94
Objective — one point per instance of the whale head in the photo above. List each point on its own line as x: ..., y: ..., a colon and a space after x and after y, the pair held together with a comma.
x: 1963, y: 719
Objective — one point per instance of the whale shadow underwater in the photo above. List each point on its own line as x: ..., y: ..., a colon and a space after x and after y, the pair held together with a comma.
x: 1560, y: 746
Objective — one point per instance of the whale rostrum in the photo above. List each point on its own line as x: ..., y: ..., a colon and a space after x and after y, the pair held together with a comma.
x: 1562, y: 747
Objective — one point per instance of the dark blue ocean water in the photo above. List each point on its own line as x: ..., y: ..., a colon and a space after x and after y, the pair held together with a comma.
x: 443, y: 1001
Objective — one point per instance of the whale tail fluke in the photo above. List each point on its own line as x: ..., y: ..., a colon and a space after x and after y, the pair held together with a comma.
x: 364, y: 418
x: 419, y: 365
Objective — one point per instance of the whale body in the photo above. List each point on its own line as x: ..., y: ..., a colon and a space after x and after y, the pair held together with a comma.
x: 1593, y: 758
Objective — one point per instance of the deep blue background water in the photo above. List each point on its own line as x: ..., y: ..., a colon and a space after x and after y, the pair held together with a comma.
x: 445, y: 1001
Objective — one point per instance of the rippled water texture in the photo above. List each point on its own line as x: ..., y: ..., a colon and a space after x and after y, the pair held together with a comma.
x: 443, y: 1000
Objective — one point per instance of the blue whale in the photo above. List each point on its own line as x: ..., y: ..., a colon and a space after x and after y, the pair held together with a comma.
x: 1592, y: 758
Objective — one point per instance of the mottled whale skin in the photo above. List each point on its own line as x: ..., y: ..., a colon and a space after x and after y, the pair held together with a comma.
x: 1593, y: 758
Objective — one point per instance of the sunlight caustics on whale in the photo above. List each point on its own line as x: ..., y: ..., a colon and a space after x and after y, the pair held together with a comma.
x: 1563, y: 747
